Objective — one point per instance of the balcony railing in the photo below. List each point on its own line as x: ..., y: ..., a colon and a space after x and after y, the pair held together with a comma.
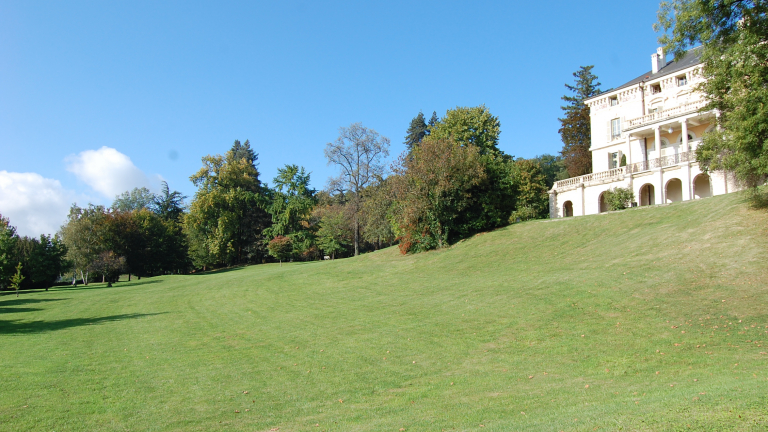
x: 619, y: 173
x: 613, y: 174
x: 665, y: 114
x: 664, y: 161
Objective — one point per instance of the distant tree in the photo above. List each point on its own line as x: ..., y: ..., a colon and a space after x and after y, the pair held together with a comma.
x: 335, y: 233
x: 8, y: 240
x: 433, y: 120
x: 16, y: 279
x: 291, y: 202
x: 416, y: 131
x: 169, y: 205
x: 493, y: 199
x: 575, y: 127
x: 244, y: 151
x: 83, y: 234
x: 734, y: 39
x: 281, y: 248
x: 359, y: 152
x: 532, y: 191
x: 136, y: 199
x: 432, y: 187
x: 376, y: 227
x: 552, y: 167
x: 227, y: 216
x: 43, y: 260
x: 470, y: 126
x: 109, y: 266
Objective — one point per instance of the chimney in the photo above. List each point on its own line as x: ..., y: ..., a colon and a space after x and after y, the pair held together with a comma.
x: 658, y: 60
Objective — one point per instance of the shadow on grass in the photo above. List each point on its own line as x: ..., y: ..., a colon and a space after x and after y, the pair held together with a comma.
x: 100, y: 285
x: 25, y: 301
x: 4, y: 305
x: 27, y: 327
x: 217, y: 271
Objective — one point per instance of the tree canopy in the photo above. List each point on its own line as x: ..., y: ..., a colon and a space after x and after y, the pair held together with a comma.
x: 734, y: 38
x: 359, y: 153
x: 575, y: 127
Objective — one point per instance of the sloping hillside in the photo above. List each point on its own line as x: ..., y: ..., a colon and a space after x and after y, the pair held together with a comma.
x: 647, y: 319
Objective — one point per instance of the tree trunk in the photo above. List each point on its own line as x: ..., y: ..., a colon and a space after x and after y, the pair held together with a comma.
x: 357, y: 236
x: 129, y: 276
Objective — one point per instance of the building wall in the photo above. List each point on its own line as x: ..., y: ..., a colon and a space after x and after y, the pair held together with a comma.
x: 585, y: 200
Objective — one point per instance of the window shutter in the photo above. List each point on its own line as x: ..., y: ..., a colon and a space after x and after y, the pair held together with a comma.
x: 621, y: 126
x: 608, y: 134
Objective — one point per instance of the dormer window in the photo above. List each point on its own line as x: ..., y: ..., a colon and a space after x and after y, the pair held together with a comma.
x: 613, y: 101
x: 655, y: 88
x: 682, y: 80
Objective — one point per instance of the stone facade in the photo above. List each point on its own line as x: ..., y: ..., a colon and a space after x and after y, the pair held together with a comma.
x: 644, y: 135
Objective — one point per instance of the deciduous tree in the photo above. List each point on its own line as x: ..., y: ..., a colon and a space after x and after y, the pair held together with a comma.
x: 431, y: 188
x: 135, y: 199
x: 227, y: 216
x: 359, y: 152
x: 281, y: 248
x: 734, y: 35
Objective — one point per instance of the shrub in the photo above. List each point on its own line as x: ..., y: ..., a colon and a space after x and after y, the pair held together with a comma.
x: 619, y: 198
x: 281, y: 248
x: 524, y: 214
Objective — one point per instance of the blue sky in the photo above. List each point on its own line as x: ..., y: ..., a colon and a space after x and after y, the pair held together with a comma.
x: 97, y: 97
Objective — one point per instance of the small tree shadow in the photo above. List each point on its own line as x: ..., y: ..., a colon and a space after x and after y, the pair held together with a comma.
x: 100, y: 285
x: 27, y: 327
x: 216, y: 271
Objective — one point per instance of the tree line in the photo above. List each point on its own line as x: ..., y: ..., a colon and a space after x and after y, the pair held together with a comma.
x: 451, y: 182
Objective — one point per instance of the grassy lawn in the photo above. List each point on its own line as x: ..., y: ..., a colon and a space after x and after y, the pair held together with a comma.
x: 647, y: 319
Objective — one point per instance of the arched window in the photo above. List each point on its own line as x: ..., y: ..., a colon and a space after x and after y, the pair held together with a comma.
x: 691, y: 137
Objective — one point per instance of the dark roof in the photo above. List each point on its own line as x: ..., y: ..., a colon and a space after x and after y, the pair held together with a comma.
x: 691, y: 58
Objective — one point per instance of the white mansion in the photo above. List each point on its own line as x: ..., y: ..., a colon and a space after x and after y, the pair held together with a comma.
x: 655, y: 122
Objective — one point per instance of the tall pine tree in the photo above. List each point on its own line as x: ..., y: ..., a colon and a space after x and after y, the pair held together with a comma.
x: 575, y: 130
x: 416, y: 131
x: 433, y: 121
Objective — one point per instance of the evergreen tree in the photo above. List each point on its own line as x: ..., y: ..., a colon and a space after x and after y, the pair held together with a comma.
x: 575, y: 130
x: 169, y: 205
x: 433, y: 121
x: 244, y: 151
x: 416, y: 131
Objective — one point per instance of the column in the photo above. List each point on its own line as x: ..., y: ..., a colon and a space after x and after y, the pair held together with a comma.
x: 629, y: 160
x: 687, y: 185
x: 553, y: 212
x: 581, y: 188
x: 657, y: 143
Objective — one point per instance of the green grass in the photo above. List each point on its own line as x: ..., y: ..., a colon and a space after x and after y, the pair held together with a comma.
x: 647, y: 319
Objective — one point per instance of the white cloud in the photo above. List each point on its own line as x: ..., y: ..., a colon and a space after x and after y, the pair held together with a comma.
x: 34, y: 204
x: 109, y: 172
